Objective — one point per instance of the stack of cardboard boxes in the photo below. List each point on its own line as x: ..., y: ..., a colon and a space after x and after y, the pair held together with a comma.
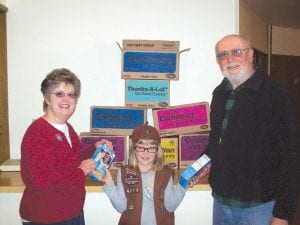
x: 148, y: 67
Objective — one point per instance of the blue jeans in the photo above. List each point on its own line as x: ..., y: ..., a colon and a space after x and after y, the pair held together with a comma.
x: 258, y: 215
x: 79, y: 220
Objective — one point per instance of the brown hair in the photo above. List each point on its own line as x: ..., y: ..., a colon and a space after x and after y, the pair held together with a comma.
x: 53, y: 80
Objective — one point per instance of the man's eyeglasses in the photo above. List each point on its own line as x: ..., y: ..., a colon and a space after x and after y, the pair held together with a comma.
x: 61, y: 94
x: 149, y: 149
x: 236, y: 52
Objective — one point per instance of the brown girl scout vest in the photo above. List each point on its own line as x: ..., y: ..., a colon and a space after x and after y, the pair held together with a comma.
x: 131, y: 179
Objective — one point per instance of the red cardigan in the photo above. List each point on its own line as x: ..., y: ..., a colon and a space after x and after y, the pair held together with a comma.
x: 55, y: 186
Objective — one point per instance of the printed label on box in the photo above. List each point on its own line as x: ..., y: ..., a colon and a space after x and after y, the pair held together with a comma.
x: 182, y: 119
x: 150, y: 59
x: 191, y: 147
x: 170, y: 151
x: 116, y: 120
x: 119, y: 143
x: 147, y: 93
x: 150, y: 62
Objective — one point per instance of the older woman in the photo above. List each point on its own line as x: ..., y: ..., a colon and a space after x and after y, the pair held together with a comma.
x: 51, y: 165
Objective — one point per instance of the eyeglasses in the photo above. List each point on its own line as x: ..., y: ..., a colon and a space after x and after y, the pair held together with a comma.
x: 149, y: 149
x: 61, y: 94
x: 236, y: 52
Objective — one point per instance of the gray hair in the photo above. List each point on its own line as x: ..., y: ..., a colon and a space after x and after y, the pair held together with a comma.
x: 246, y: 41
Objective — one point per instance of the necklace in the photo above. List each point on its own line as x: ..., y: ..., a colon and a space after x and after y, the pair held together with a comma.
x: 147, y: 171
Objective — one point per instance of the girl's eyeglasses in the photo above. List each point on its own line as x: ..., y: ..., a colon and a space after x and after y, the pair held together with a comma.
x: 142, y: 149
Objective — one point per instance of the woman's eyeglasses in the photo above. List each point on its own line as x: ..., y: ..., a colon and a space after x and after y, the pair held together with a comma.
x: 142, y: 149
x: 61, y: 94
x: 236, y: 52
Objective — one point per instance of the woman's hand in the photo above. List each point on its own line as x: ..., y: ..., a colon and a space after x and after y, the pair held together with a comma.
x: 87, y: 166
x: 109, y: 144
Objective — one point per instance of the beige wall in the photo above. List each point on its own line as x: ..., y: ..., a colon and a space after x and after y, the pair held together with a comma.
x: 285, y: 41
x: 251, y: 26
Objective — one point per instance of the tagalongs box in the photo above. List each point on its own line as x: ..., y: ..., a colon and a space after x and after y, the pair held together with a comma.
x: 182, y: 119
x: 150, y: 59
x: 119, y: 143
x: 191, y: 146
x: 116, y: 120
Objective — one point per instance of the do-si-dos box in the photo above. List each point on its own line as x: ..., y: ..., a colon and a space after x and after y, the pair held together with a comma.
x: 193, y: 170
x: 119, y: 142
x: 182, y: 119
x: 147, y: 93
x: 150, y: 59
x: 170, y: 151
x: 116, y: 120
x: 191, y: 146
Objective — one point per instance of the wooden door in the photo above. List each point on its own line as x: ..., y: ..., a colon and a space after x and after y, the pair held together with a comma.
x: 285, y: 70
x: 4, y: 128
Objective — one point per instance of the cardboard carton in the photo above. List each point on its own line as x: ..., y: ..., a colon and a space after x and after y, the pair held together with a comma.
x: 116, y: 120
x: 119, y: 142
x: 170, y: 151
x: 182, y: 119
x: 191, y: 146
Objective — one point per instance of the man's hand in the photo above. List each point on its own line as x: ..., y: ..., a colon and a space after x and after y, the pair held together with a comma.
x: 277, y: 221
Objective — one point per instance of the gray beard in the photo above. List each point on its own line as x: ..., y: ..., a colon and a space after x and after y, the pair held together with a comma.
x: 237, y: 79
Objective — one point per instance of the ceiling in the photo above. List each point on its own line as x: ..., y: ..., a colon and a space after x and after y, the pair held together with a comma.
x: 281, y: 13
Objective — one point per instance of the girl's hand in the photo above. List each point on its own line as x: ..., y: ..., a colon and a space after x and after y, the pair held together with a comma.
x: 108, y: 178
x: 104, y: 141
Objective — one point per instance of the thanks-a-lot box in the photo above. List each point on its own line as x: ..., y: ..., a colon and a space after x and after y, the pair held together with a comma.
x: 150, y: 59
x: 147, y: 93
x: 182, y: 119
x: 191, y: 147
x: 116, y: 120
x: 170, y: 151
x: 119, y: 142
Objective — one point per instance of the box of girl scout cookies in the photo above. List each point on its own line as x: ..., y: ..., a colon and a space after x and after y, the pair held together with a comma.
x: 182, y: 119
x: 170, y: 151
x: 150, y: 59
x: 119, y: 142
x: 116, y: 120
x: 191, y: 147
x: 147, y: 93
x: 193, y: 170
x: 103, y: 157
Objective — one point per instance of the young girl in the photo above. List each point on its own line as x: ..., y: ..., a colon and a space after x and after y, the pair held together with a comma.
x: 145, y: 193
